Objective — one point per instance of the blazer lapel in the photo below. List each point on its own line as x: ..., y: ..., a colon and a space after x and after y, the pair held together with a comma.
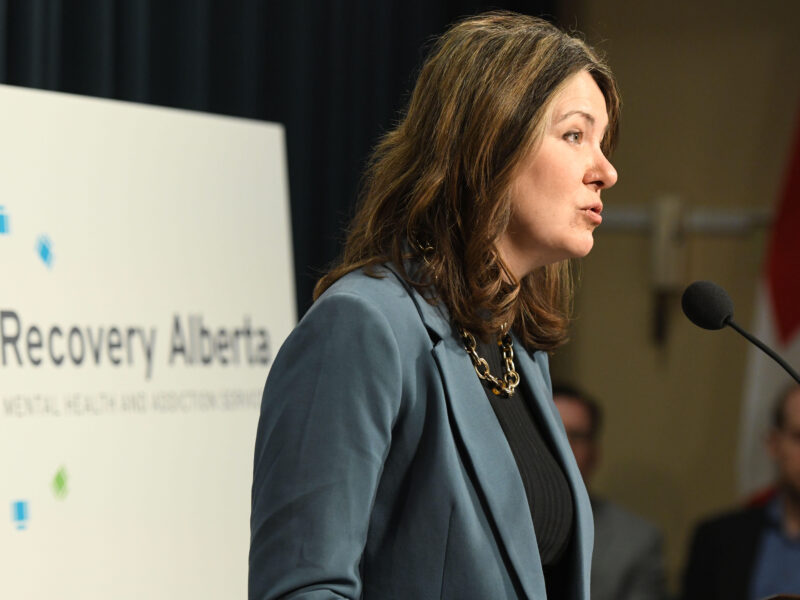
x: 494, y: 467
x: 475, y: 424
x: 538, y: 390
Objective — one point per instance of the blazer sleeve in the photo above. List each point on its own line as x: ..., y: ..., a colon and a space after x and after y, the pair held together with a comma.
x: 331, y: 399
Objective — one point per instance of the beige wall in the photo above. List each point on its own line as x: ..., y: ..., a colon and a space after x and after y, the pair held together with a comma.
x: 710, y: 92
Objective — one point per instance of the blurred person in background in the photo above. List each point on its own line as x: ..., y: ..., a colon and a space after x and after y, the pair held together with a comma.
x: 754, y: 552
x: 408, y: 446
x: 627, y: 563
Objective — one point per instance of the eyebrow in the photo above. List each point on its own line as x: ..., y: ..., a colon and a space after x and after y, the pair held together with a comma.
x: 583, y: 113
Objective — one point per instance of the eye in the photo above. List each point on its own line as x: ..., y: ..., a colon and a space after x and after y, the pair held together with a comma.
x: 574, y: 137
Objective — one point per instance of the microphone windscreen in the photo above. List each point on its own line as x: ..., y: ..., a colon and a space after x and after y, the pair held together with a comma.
x: 707, y: 305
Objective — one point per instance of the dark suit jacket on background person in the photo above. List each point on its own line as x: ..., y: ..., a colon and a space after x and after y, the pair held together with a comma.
x: 381, y: 470
x: 723, y: 555
x: 627, y: 563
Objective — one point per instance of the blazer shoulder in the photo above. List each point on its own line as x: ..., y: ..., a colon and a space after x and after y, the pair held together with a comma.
x: 735, y: 522
x: 721, y: 554
x: 377, y: 283
x: 379, y: 292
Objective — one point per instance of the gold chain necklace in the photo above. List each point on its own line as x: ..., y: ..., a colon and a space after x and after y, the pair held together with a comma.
x: 500, y: 387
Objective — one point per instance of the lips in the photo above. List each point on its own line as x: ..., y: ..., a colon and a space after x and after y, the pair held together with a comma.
x: 593, y: 211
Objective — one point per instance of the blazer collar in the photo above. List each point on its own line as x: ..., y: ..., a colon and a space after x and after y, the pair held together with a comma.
x: 435, y: 317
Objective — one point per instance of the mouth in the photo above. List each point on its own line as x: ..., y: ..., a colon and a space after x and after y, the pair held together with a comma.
x: 593, y: 211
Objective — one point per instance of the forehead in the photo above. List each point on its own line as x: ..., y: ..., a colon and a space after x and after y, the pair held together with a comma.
x: 580, y: 93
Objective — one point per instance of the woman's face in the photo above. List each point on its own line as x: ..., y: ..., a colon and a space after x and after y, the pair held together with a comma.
x: 555, y: 195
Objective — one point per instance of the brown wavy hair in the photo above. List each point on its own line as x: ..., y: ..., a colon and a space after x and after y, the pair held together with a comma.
x: 436, y: 192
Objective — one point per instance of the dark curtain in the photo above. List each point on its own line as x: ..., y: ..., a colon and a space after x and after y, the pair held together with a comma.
x: 334, y: 72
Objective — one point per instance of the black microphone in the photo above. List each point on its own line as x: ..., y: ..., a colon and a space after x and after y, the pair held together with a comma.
x: 708, y: 306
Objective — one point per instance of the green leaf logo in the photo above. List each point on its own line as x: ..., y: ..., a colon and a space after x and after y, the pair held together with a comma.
x: 60, y: 484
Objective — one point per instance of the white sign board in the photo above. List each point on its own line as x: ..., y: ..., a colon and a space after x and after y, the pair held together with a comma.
x: 145, y: 284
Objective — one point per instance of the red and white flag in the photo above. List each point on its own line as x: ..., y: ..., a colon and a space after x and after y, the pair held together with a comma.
x: 777, y: 323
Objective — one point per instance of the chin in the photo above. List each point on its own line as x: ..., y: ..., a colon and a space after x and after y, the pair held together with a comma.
x: 582, y: 249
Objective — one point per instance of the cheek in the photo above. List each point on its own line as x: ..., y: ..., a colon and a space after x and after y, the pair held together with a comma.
x: 529, y: 213
x: 556, y: 174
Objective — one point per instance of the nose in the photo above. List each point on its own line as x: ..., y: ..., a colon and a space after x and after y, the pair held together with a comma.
x: 602, y: 175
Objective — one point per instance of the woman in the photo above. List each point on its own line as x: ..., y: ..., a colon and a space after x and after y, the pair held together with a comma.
x: 408, y: 446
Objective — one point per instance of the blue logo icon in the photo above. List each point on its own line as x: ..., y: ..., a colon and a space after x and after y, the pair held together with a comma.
x: 19, y: 513
x: 3, y: 221
x: 44, y: 250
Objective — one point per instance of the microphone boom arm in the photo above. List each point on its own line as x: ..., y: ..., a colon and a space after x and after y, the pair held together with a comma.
x: 770, y: 352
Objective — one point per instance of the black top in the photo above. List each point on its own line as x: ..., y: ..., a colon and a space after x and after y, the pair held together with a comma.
x: 546, y: 485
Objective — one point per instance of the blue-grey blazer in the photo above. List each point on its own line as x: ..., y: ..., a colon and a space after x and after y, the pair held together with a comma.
x: 381, y: 470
